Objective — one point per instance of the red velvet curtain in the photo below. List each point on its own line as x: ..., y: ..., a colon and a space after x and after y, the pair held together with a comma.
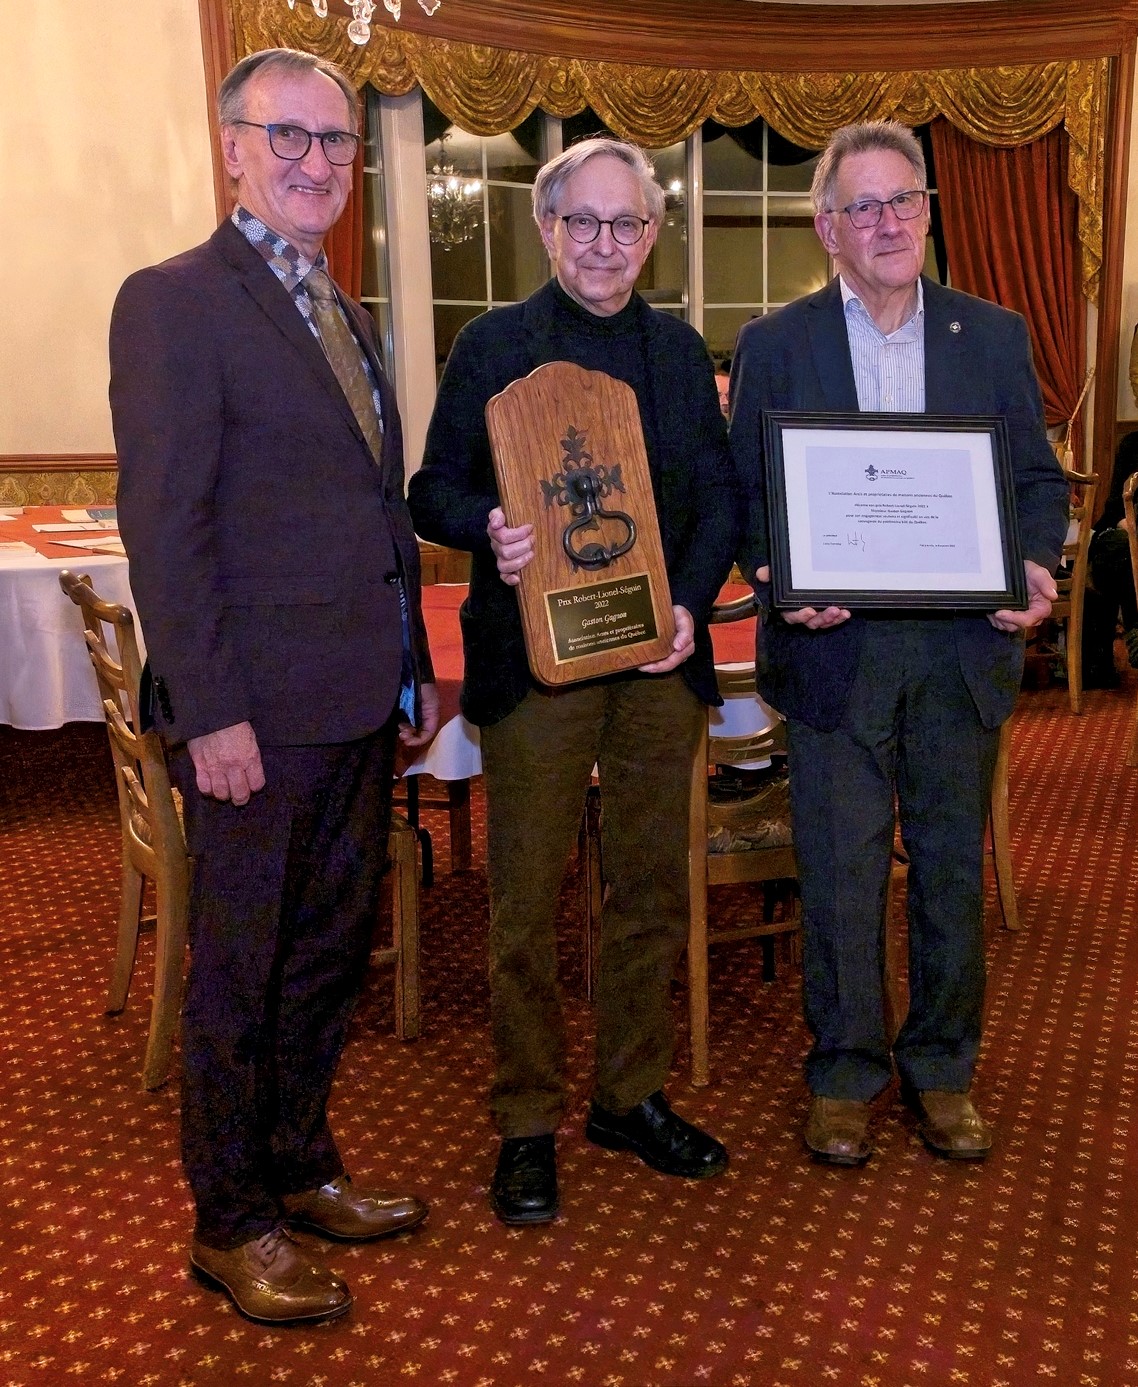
x: 1010, y: 226
x: 344, y: 244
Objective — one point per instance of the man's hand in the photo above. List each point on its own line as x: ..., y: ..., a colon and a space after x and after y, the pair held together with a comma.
x: 513, y: 548
x: 1041, y: 592
x: 808, y: 616
x: 228, y: 763
x: 683, y: 643
x: 428, y: 719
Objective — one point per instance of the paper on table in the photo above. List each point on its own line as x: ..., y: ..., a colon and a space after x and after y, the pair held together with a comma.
x: 109, y: 544
x: 16, y: 546
x: 7, y: 517
x: 105, y: 516
x: 72, y: 527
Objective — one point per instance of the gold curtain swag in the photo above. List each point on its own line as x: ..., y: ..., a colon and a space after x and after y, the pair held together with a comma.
x: 491, y: 90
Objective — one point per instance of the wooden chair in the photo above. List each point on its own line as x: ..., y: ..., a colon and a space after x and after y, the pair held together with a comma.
x: 153, y: 844
x: 777, y: 863
x: 1128, y: 510
x: 758, y: 865
x: 438, y: 564
x: 1072, y: 578
x: 403, y: 950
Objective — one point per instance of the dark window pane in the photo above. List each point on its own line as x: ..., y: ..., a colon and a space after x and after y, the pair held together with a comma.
x: 721, y: 327
x: 727, y: 167
x: 448, y: 319
x: 797, y: 263
x: 732, y: 249
x: 515, y: 157
x: 518, y: 261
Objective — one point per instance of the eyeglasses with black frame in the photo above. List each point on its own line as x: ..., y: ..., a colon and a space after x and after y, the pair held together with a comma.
x: 292, y: 142
x: 584, y: 228
x: 866, y: 211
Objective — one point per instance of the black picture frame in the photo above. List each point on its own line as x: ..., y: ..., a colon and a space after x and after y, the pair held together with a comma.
x: 871, y: 535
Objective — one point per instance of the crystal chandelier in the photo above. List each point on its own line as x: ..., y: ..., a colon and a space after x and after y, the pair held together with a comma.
x: 359, y: 30
x: 454, y: 202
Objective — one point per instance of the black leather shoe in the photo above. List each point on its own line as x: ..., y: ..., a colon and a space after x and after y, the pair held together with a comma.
x: 524, y: 1188
x: 661, y: 1139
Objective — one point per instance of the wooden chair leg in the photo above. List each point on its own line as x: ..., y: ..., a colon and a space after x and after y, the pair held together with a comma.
x: 1075, y: 654
x: 1001, y: 833
x: 169, y: 975
x: 405, y: 929
x: 458, y: 807
x: 130, y: 916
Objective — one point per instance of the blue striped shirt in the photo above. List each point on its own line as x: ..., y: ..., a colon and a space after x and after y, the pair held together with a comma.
x: 889, y: 371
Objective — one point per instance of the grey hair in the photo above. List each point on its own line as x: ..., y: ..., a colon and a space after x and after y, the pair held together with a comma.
x: 553, y: 176
x: 866, y: 138
x: 231, y: 93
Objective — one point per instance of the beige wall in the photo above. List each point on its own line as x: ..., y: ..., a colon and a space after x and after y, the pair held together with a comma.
x: 103, y: 124
x: 107, y: 168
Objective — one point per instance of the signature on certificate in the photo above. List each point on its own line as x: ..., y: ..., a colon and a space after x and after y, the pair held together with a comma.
x: 855, y: 540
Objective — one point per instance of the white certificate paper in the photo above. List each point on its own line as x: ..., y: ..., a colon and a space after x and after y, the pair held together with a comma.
x: 920, y: 516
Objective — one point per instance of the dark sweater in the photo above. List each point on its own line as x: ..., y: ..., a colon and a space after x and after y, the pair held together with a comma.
x: 693, y: 477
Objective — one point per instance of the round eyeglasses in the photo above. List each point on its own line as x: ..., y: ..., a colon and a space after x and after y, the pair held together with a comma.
x: 293, y: 142
x: 583, y: 227
x: 866, y: 212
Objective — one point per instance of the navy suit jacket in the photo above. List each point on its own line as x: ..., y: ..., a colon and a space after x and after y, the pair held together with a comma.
x: 977, y: 361
x: 264, y: 540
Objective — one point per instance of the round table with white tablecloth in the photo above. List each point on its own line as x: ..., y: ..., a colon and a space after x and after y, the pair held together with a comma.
x: 46, y: 678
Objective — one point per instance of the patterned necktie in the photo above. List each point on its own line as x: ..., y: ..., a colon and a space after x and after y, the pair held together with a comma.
x: 345, y: 356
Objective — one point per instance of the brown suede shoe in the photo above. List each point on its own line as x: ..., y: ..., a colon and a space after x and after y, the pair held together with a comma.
x: 950, y: 1126
x: 837, y: 1131
x: 272, y: 1280
x: 338, y: 1210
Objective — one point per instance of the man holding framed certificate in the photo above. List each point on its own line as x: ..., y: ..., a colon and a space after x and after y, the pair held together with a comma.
x: 895, y: 681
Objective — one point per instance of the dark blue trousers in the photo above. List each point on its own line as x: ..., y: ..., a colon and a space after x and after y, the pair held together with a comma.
x: 910, y: 742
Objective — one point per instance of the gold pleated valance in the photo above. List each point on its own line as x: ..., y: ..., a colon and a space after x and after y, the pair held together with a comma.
x: 490, y: 90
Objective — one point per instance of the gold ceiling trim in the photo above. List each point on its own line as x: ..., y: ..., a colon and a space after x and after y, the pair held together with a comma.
x: 490, y: 90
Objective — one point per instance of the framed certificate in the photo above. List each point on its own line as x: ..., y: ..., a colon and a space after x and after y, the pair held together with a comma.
x: 878, y: 511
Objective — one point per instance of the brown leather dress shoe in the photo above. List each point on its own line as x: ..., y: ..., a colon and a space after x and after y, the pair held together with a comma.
x: 339, y: 1210
x: 950, y: 1126
x: 272, y: 1280
x: 837, y: 1131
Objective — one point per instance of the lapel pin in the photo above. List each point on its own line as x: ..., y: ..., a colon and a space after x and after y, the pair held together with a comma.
x: 954, y: 327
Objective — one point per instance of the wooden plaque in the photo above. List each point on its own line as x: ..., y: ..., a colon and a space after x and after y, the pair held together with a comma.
x: 569, y: 458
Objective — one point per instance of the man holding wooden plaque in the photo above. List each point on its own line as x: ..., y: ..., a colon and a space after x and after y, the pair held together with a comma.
x: 626, y: 539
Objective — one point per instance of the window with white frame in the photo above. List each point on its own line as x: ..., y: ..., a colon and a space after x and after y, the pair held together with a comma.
x: 375, y: 294
x: 485, y: 247
x: 737, y: 240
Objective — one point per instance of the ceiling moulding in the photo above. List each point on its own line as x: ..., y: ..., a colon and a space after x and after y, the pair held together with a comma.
x: 724, y: 35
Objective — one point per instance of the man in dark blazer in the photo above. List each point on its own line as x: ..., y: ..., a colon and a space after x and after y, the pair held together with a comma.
x: 885, y: 707
x: 598, y: 208
x: 276, y: 574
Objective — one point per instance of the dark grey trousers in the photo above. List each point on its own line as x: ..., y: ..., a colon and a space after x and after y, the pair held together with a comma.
x: 910, y: 736
x: 282, y: 912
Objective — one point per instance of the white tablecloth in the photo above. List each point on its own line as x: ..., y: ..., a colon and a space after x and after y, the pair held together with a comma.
x: 46, y: 678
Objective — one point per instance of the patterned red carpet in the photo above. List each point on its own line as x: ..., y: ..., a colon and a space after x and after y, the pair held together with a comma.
x: 780, y: 1274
